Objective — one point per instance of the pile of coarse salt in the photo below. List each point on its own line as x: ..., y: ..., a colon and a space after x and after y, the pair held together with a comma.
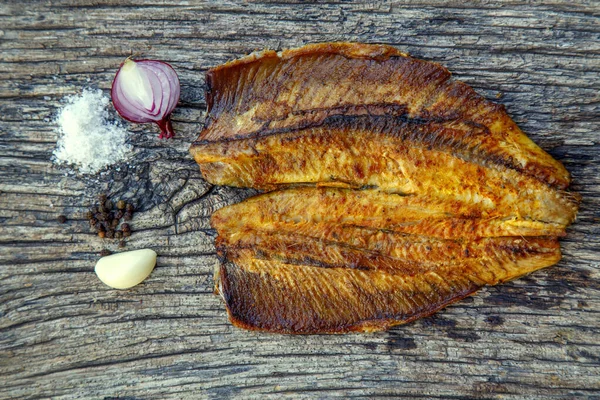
x: 87, y: 138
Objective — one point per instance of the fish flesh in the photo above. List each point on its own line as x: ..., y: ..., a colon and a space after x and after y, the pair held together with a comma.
x: 308, y: 207
x: 390, y: 189
x: 392, y: 156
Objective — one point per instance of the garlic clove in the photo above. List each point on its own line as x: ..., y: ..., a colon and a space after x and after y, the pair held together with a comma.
x: 127, y: 269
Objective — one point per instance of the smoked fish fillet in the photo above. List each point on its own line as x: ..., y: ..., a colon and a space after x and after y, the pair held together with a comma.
x: 346, y: 274
x: 270, y: 91
x: 391, y: 156
x: 301, y: 208
x: 390, y: 190
x: 285, y: 297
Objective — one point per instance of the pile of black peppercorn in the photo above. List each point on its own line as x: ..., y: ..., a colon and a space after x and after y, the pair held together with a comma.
x: 106, y: 217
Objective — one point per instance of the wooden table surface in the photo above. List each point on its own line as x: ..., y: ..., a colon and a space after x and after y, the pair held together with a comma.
x: 63, y: 334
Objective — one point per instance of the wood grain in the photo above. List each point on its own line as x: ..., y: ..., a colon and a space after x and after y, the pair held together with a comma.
x: 65, y: 335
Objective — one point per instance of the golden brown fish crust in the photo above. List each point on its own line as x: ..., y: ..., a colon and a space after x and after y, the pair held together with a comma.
x: 394, y: 253
x: 286, y: 298
x: 297, y: 261
x: 302, y: 87
x: 330, y: 244
x: 392, y: 156
x: 276, y: 296
x: 303, y: 209
x: 393, y: 189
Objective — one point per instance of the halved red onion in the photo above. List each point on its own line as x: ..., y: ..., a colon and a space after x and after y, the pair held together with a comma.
x: 146, y: 91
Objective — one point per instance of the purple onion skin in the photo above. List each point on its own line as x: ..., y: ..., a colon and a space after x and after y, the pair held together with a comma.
x: 166, y: 128
x: 163, y: 121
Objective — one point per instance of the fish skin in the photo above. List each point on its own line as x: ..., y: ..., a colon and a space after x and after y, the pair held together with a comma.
x: 302, y: 87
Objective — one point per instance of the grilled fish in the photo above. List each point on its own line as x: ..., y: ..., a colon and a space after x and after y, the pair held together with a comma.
x: 270, y: 91
x: 391, y: 189
x: 392, y: 156
x: 286, y: 297
x: 303, y: 209
x: 327, y: 250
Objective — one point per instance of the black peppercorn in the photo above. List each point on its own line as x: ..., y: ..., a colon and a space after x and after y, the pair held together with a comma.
x: 99, y: 226
x: 121, y: 205
x: 114, y: 223
x: 122, y: 244
x: 105, y: 252
x: 110, y: 234
x: 118, y: 234
x: 125, y: 227
x: 93, y: 221
x: 102, y: 216
x: 119, y: 214
x: 127, y: 216
x: 102, y: 198
x: 108, y: 205
x: 126, y: 233
x: 129, y: 207
x: 62, y: 219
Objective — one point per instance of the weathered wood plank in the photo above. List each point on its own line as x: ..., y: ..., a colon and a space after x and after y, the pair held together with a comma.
x: 65, y: 335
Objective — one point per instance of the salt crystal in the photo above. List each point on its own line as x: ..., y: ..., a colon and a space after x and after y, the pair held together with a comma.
x: 87, y: 140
